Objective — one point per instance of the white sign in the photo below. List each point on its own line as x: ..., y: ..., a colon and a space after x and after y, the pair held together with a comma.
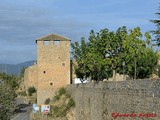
x: 45, y: 109
x: 35, y: 108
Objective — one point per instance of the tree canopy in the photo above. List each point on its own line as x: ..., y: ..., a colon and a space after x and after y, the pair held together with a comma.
x: 8, y: 85
x: 7, y: 101
x: 11, y: 80
x: 102, y: 56
x: 157, y: 31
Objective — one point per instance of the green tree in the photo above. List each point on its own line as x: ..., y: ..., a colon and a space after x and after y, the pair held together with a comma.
x: 157, y: 31
x: 106, y: 50
x: 7, y: 101
x: 148, y: 40
x: 115, y: 49
x: 11, y: 80
x: 79, y: 52
x: 8, y: 87
x: 140, y: 60
x: 100, y: 54
x: 147, y: 63
x: 103, y: 53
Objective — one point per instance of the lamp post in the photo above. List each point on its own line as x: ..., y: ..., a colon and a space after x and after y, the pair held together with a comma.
x: 123, y: 63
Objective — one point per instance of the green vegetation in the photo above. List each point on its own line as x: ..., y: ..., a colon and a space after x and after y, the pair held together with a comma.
x: 47, y: 101
x: 71, y: 103
x: 157, y: 31
x: 11, y: 80
x: 7, y: 95
x: 31, y: 90
x: 107, y: 53
x: 62, y: 105
x: 22, y: 72
x: 22, y: 93
x: 62, y: 91
x: 7, y: 101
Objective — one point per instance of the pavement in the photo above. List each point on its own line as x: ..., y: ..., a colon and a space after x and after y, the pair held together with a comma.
x: 22, y: 111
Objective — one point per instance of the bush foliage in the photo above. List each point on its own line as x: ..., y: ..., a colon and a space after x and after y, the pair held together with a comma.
x: 31, y: 90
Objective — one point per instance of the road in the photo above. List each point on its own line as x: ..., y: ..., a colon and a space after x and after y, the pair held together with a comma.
x: 23, y: 110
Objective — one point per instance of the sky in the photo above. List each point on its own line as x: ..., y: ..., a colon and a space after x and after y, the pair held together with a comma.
x: 23, y: 21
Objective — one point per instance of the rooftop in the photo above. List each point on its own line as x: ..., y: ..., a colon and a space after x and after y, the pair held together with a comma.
x: 53, y: 37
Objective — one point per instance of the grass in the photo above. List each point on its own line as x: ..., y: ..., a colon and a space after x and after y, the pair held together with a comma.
x: 22, y: 93
x: 62, y: 104
x: 61, y: 91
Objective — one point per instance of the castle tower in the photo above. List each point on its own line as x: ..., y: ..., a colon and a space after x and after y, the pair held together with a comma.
x: 53, y: 65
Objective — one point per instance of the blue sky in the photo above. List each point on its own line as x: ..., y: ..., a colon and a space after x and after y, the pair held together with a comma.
x: 23, y: 21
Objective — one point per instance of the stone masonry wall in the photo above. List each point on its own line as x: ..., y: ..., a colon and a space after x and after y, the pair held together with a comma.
x: 53, y: 62
x: 52, y: 70
x: 30, y: 77
x: 97, y: 101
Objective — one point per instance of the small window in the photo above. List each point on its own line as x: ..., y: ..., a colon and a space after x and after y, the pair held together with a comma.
x: 46, y: 42
x: 44, y: 72
x: 63, y: 64
x: 56, y: 42
x: 51, y: 84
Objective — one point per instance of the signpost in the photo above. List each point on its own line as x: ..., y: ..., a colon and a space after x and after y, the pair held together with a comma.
x: 45, y: 109
x: 46, y: 112
x: 35, y: 109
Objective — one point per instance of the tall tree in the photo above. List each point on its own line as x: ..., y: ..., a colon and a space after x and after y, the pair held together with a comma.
x: 7, y: 95
x: 106, y: 50
x: 98, y: 64
x: 79, y: 52
x: 157, y: 31
x: 140, y: 59
x: 7, y: 101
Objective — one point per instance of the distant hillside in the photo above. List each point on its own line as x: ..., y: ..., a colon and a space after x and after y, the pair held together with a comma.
x: 15, y: 69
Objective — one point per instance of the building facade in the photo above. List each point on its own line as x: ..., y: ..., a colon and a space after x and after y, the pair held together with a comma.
x: 53, y: 66
x: 30, y: 76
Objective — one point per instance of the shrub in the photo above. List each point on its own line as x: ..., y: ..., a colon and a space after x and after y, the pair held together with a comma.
x: 61, y: 109
x: 31, y: 90
x: 62, y: 91
x: 57, y: 97
x: 23, y: 93
x: 71, y: 103
x: 59, y: 93
x: 47, y: 101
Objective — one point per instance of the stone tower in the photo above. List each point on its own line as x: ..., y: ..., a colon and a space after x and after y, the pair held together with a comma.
x: 53, y: 65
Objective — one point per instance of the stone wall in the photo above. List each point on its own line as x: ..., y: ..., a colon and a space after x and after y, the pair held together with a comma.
x: 53, y: 60
x: 97, y: 101
x: 52, y: 70
x: 30, y: 76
